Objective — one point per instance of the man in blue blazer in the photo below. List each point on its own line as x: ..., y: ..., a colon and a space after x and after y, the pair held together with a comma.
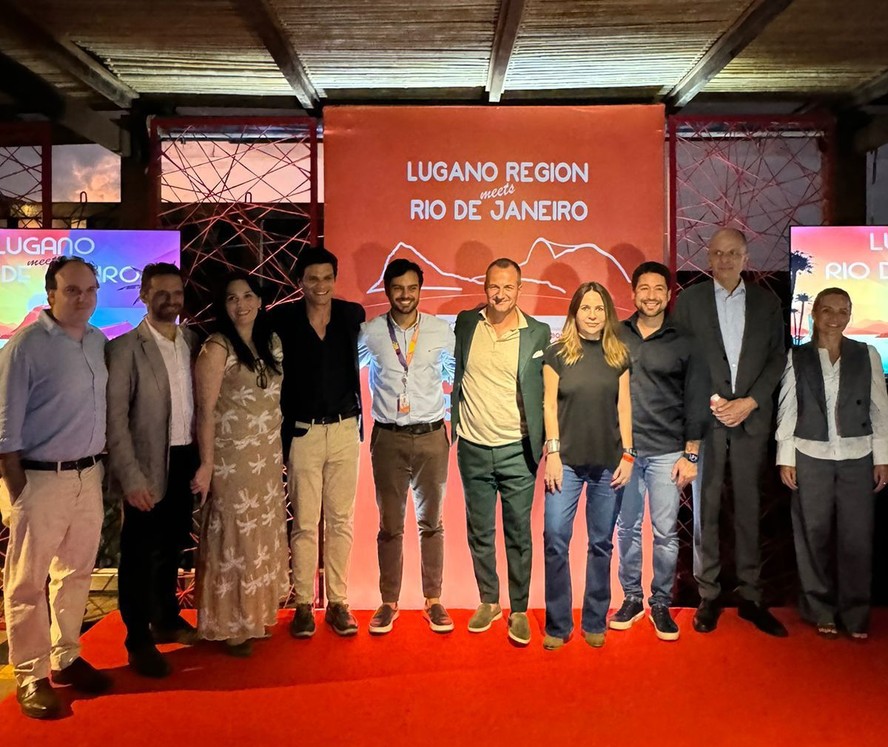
x: 740, y: 329
x: 497, y: 414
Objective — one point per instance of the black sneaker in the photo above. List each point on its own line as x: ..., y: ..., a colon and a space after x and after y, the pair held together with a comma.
x: 341, y: 619
x: 624, y: 618
x: 303, y: 623
x: 665, y: 626
x: 383, y: 620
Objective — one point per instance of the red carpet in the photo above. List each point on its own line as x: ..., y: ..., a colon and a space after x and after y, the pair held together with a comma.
x: 733, y: 687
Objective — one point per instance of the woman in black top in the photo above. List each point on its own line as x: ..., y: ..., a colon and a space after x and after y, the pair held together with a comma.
x: 588, y: 419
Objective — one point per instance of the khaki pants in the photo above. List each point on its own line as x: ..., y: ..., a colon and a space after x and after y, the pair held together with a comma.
x: 323, y: 471
x: 54, y: 529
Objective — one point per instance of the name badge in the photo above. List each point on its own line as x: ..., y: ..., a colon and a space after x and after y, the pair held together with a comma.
x: 403, y: 403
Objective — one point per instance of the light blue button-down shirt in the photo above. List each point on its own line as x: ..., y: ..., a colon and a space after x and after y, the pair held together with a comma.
x: 52, y: 393
x: 731, y: 309
x: 432, y: 364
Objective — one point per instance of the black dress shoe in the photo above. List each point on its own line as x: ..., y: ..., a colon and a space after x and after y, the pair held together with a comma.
x: 38, y: 699
x: 182, y: 632
x: 82, y: 676
x: 762, y: 619
x: 706, y: 616
x: 149, y: 662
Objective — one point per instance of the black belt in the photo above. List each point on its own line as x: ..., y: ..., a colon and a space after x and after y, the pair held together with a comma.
x: 78, y: 464
x: 326, y: 419
x: 417, y: 429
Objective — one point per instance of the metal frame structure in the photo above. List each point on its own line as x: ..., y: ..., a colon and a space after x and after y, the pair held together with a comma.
x: 16, y: 139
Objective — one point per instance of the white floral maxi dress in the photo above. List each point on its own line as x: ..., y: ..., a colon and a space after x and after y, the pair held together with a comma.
x: 243, y: 564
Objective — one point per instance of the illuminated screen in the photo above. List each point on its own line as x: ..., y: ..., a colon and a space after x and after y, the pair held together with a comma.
x: 853, y: 258
x: 119, y: 256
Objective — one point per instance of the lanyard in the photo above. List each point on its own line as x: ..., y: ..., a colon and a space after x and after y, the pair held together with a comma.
x: 411, y: 347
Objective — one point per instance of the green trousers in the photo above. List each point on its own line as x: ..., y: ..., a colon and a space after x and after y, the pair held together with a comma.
x: 509, y: 471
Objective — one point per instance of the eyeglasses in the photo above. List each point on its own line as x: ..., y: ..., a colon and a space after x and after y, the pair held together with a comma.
x: 718, y: 254
x: 261, y: 374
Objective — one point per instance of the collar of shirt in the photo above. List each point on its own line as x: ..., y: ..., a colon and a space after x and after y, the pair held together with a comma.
x: 725, y: 294
x: 159, y: 336
x: 632, y: 323
x: 522, y: 320
x: 53, y: 327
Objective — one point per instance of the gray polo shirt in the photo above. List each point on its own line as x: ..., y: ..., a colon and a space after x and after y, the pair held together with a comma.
x: 52, y: 393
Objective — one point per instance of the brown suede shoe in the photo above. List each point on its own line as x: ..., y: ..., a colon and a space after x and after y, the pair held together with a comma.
x: 82, y: 676
x: 38, y: 699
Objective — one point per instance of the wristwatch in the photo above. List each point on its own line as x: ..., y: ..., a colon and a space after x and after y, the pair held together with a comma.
x: 631, y: 452
x: 553, y: 446
x: 692, y: 458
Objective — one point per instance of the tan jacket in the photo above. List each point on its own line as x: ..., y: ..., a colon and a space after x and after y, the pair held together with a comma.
x: 139, y: 412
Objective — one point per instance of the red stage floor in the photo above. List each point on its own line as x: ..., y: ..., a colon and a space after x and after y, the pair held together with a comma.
x: 733, y: 687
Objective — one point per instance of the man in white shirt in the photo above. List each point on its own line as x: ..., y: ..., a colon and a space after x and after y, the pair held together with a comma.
x: 739, y: 327
x: 409, y: 355
x: 152, y: 457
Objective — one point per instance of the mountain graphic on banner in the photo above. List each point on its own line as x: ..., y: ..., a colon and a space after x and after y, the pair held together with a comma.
x: 540, y: 258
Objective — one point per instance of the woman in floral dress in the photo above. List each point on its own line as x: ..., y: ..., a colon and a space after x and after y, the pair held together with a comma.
x: 242, y: 568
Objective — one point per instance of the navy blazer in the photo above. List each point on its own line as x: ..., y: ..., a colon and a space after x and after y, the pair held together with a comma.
x: 762, y: 353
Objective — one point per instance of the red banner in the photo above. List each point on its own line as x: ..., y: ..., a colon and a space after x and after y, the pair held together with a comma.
x: 570, y: 193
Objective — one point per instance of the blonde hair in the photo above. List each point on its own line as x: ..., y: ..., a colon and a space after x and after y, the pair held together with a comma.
x: 616, y: 354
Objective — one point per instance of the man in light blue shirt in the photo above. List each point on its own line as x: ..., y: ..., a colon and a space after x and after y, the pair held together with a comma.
x: 409, y: 355
x: 52, y: 433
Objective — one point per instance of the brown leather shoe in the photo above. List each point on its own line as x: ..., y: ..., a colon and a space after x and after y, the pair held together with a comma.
x: 38, y: 700
x: 82, y: 676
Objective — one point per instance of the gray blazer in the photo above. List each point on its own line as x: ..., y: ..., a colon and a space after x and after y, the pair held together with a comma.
x: 762, y: 354
x: 139, y: 412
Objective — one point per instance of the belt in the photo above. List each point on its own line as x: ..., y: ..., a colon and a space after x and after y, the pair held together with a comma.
x: 417, y: 429
x: 78, y: 464
x: 326, y: 420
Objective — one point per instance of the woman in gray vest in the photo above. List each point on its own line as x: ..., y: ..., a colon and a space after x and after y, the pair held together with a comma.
x: 832, y: 449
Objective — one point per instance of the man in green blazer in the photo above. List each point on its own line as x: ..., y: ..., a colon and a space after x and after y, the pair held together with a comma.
x: 497, y: 415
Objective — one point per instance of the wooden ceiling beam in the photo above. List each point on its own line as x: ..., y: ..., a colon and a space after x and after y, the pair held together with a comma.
x: 262, y: 18
x: 66, y: 55
x: 507, y: 25
x: 869, y: 92
x: 33, y: 94
x: 747, y: 26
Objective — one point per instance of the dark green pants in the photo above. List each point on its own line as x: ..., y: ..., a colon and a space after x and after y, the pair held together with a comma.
x: 510, y: 471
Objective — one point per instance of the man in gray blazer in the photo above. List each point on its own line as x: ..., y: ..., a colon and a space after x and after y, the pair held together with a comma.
x: 740, y: 329
x: 151, y: 458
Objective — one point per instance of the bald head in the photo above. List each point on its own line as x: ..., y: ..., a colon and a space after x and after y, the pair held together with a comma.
x: 727, y: 257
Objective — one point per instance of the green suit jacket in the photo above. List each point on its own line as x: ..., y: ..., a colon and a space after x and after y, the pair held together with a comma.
x: 532, y: 343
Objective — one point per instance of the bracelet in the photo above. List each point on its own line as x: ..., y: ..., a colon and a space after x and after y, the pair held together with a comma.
x: 553, y: 445
x: 628, y: 458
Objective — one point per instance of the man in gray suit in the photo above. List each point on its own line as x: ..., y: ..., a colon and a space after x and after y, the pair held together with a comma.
x: 740, y: 329
x: 151, y: 459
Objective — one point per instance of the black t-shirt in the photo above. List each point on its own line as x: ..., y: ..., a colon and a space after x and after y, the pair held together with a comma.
x: 588, y: 426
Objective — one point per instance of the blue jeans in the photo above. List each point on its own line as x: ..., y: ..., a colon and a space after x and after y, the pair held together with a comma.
x: 602, y: 507
x: 651, y: 474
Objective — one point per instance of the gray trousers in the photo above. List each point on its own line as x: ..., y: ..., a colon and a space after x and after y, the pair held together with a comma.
x: 747, y: 457
x: 403, y: 461
x: 834, y: 500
